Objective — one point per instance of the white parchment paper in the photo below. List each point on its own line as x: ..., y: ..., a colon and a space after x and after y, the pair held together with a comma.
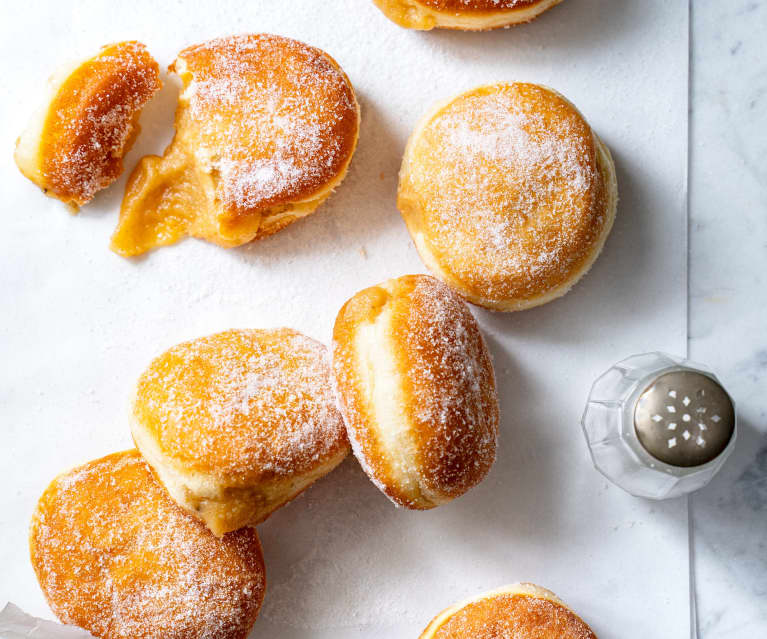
x: 16, y: 624
x: 80, y: 323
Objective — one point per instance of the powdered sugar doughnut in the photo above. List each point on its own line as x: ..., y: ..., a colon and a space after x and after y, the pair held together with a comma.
x: 508, y: 194
x: 417, y: 390
x: 265, y: 130
x: 468, y: 15
x: 74, y: 145
x: 518, y: 611
x: 238, y: 423
x: 114, y: 555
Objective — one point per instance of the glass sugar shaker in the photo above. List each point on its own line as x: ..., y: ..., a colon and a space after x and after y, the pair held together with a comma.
x: 659, y: 426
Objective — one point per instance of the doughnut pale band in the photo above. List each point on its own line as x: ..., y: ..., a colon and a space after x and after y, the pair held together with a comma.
x: 379, y: 376
x: 224, y: 507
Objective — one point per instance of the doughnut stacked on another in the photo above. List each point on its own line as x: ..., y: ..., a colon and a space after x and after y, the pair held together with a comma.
x: 466, y: 15
x: 238, y: 423
x: 115, y: 555
x: 518, y: 611
x: 508, y: 194
x: 74, y: 145
x: 417, y: 389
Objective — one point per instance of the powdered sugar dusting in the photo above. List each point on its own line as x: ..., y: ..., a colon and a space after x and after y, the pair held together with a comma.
x: 440, y: 390
x: 244, y: 402
x: 92, y: 120
x: 514, y: 617
x: 277, y: 118
x: 116, y: 556
x: 450, y: 376
x: 510, y: 191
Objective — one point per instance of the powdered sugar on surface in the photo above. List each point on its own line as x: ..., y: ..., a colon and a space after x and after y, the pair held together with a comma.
x: 115, y: 555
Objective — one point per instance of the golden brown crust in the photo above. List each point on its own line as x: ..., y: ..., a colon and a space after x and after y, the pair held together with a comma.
x: 432, y: 436
x: 91, y: 121
x: 448, y: 385
x: 266, y: 127
x: 114, y: 555
x: 237, y: 424
x: 524, y: 612
x: 477, y: 5
x: 508, y: 194
x: 244, y: 405
x: 466, y: 15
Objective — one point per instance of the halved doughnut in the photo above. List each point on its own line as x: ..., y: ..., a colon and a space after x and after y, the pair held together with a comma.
x: 265, y: 130
x: 74, y: 145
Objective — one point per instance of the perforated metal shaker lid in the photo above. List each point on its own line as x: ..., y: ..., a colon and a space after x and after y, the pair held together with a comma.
x: 684, y: 418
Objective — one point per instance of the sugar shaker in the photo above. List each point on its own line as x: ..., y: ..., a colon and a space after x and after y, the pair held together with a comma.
x: 659, y: 426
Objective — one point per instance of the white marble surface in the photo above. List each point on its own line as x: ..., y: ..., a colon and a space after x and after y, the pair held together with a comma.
x: 728, y: 304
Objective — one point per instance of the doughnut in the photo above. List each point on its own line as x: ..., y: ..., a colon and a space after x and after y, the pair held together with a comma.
x: 239, y: 423
x: 114, y: 555
x: 265, y: 130
x: 513, y: 612
x: 466, y: 15
x: 416, y: 387
x: 508, y: 194
x: 74, y: 145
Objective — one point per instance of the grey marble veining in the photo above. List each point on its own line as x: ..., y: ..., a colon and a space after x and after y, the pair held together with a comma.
x: 728, y: 304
